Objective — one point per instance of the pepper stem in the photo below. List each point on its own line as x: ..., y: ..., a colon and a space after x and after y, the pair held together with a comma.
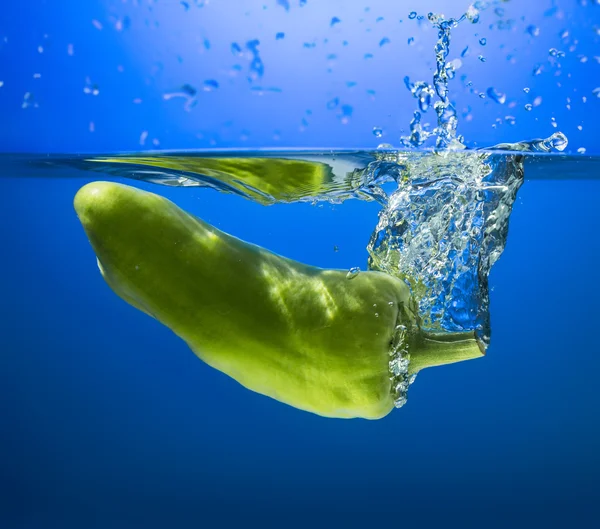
x: 430, y: 349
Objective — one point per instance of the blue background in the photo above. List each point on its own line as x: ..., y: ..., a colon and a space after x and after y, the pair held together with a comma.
x: 108, y: 420
x: 162, y: 46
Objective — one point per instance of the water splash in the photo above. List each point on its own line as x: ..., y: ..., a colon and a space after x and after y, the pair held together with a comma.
x: 447, y: 120
x: 443, y: 228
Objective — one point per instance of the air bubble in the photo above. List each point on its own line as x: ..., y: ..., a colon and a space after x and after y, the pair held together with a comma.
x: 377, y: 132
x: 528, y: 107
x: 483, y: 41
x: 481, y: 58
x: 413, y: 15
x: 353, y: 272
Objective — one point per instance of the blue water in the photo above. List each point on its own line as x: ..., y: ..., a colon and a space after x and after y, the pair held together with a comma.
x: 109, y: 421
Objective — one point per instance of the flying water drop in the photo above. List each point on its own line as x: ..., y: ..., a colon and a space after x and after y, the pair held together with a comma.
x: 496, y: 96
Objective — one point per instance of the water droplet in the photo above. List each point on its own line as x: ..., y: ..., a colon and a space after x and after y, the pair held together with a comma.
x: 537, y: 69
x: 377, y: 315
x: 97, y: 24
x: 472, y: 14
x: 534, y: 31
x: 582, y: 58
x: 411, y: 40
x: 70, y: 49
x: 334, y: 21
x: 391, y: 303
x: 481, y: 95
x: 596, y: 92
x: 385, y: 146
x: 279, y: 36
x: 581, y: 150
x: 187, y: 92
x: 336, y: 249
x: 353, y: 272
x: 483, y: 41
x: 496, y: 96
x: 90, y: 88
x: 143, y: 137
x: 526, y: 90
x: 528, y: 107
x: 412, y: 15
x: 377, y: 132
x: 368, y: 56
x: 92, y: 126
x: 210, y: 85
x: 384, y: 41
x: 579, y: 127
x: 29, y: 101
x: 333, y: 103
x: 465, y: 52
x: 537, y: 101
x: 257, y: 68
x: 345, y: 114
x: 481, y: 58
x: 236, y: 49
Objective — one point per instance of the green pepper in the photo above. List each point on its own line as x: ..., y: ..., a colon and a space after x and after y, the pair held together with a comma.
x: 313, y: 338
